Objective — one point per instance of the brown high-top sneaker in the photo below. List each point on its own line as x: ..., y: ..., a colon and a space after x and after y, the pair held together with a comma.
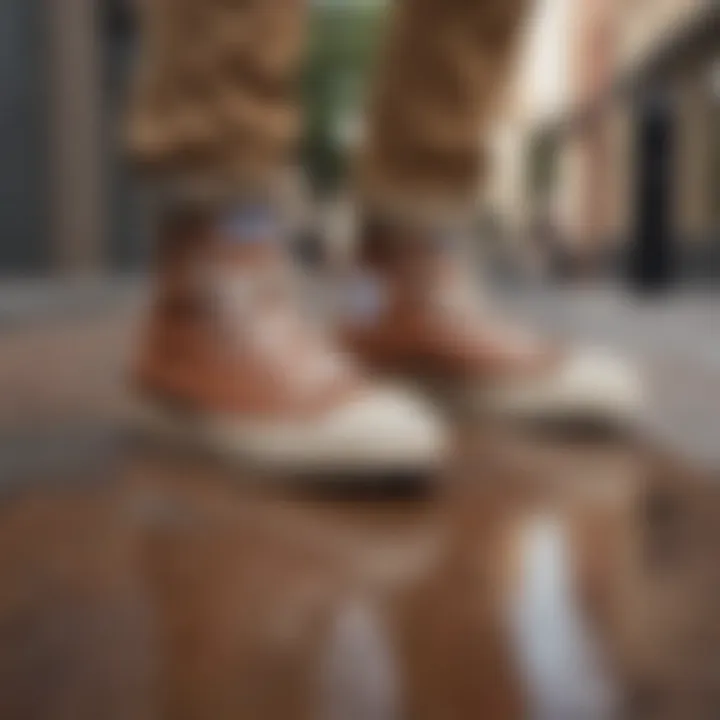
x: 229, y: 363
x: 415, y: 315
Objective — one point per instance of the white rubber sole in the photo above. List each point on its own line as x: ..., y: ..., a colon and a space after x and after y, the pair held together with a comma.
x: 382, y: 434
x: 592, y: 390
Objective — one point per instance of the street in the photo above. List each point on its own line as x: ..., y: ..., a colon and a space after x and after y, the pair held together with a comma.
x: 673, y: 339
x: 529, y: 581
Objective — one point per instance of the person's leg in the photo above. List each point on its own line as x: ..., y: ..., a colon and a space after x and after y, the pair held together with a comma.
x: 214, y: 112
x: 418, y: 183
x: 443, y: 64
x: 227, y: 358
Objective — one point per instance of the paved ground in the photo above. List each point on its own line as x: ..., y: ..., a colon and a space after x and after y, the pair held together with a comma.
x: 674, y: 339
x: 531, y: 581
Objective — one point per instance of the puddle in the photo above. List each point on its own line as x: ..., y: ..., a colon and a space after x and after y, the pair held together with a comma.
x: 557, y: 653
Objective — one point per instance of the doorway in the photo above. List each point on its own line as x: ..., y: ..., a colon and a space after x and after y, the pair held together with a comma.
x: 653, y: 265
x: 24, y: 243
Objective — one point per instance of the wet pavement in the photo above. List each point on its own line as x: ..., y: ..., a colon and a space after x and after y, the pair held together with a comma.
x: 545, y: 577
x: 673, y: 338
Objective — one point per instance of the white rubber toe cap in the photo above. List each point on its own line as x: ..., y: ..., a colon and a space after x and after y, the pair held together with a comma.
x: 384, y: 430
x: 589, y: 385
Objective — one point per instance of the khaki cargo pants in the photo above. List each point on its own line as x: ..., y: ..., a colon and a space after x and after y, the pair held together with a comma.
x: 214, y: 96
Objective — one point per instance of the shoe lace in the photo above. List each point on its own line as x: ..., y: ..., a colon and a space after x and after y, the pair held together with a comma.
x: 457, y: 297
x: 261, y: 312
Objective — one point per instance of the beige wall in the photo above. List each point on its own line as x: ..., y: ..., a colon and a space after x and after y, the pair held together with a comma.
x: 593, y: 198
x: 620, y: 172
x: 587, y: 186
x: 75, y: 129
x: 540, y: 93
x: 694, y: 142
x: 599, y: 189
x: 645, y: 23
x: 505, y: 190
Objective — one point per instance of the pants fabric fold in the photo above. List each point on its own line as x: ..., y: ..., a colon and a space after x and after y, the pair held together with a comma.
x: 215, y: 107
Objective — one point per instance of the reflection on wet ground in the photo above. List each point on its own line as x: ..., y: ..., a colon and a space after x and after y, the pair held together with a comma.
x: 540, y: 578
x: 557, y: 649
x: 164, y: 585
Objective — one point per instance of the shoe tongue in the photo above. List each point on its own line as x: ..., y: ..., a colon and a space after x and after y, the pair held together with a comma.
x: 448, y: 281
x: 248, y: 224
x: 425, y: 269
x: 514, y: 340
x: 248, y: 257
x: 255, y: 291
x: 454, y: 288
x: 363, y: 298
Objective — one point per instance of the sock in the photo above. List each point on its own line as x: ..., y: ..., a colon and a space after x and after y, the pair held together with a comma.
x: 249, y: 223
x: 383, y: 242
x: 365, y: 297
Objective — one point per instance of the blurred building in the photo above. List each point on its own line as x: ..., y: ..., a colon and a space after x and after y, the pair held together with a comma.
x: 23, y: 136
x: 669, y: 52
x: 579, y: 157
x: 66, y: 206
x: 539, y: 93
x: 566, y: 149
x: 67, y: 202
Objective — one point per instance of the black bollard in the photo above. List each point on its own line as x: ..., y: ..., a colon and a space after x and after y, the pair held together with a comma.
x: 652, y: 262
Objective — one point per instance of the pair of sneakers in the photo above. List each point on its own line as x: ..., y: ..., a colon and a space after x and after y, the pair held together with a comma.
x: 230, y: 362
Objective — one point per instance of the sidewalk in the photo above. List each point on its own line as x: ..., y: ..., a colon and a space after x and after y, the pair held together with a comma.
x: 674, y: 339
x: 28, y: 301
